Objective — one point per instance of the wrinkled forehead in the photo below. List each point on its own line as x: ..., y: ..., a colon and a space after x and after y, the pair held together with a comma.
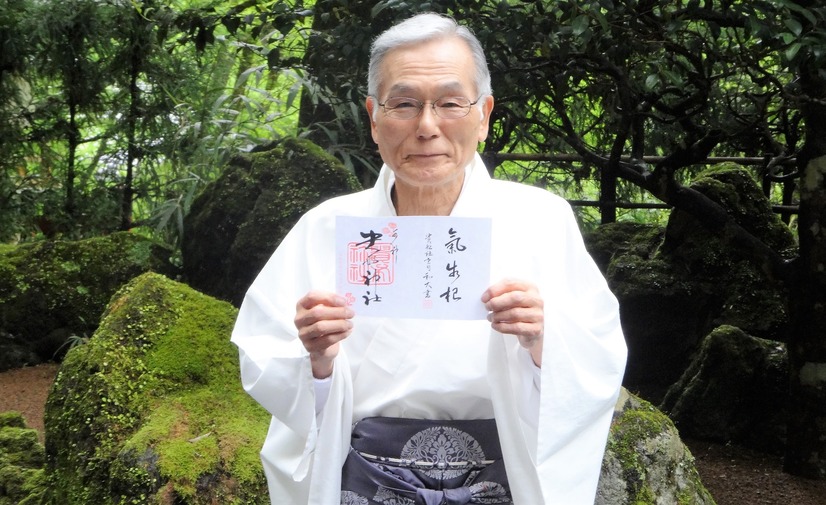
x: 437, y: 67
x: 450, y: 88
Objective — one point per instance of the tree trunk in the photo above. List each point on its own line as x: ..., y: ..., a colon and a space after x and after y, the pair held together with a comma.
x: 806, y: 446
x: 74, y: 140
x: 132, y: 157
x: 608, y: 195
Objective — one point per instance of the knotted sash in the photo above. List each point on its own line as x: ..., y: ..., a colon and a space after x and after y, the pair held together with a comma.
x: 424, y: 462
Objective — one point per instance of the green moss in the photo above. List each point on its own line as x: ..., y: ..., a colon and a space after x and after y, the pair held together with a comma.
x: 184, y: 461
x: 192, y: 436
x: 647, y: 448
x: 736, y: 190
x: 21, y: 447
x: 631, y: 275
x: 51, y: 290
x: 708, y: 273
x: 21, y: 462
x: 12, y: 419
x: 192, y: 354
x: 239, y: 219
x: 619, y: 239
x: 142, y: 409
x: 629, y: 428
x: 141, y: 252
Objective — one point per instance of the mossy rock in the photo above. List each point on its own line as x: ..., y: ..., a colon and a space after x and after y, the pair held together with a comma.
x: 12, y: 419
x: 664, y: 314
x: 676, y: 284
x: 22, y: 480
x: 645, y: 461
x: 51, y: 291
x: 238, y: 220
x: 623, y: 238
x: 735, y: 390
x: 702, y: 252
x: 749, y: 299
x: 736, y: 190
x: 151, y: 409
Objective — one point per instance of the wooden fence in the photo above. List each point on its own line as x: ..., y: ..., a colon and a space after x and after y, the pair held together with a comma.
x: 608, y: 202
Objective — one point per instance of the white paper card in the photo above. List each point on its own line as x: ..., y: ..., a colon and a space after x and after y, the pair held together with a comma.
x: 424, y: 267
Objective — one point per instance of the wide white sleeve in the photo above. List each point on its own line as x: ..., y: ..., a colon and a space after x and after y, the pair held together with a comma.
x: 275, y: 367
x: 558, y: 459
x: 583, y: 363
x: 530, y: 379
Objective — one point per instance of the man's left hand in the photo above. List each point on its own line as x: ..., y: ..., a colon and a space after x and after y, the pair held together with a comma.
x: 516, y: 308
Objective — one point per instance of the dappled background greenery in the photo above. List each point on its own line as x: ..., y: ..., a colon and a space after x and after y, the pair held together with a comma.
x: 115, y: 114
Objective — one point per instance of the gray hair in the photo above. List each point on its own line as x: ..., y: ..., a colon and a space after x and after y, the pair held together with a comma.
x: 424, y: 28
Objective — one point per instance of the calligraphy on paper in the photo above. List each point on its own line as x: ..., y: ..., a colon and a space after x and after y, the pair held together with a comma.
x: 432, y: 267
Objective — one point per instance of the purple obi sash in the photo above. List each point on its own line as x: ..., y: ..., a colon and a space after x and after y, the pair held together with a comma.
x: 394, y: 461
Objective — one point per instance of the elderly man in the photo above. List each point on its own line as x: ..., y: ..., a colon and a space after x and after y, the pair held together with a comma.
x: 515, y: 409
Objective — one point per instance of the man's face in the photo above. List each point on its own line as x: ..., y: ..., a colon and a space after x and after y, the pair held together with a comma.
x: 429, y: 151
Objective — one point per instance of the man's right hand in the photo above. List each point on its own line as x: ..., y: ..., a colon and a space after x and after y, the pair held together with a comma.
x: 323, y: 320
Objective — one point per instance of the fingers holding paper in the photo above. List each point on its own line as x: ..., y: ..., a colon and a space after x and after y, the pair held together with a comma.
x: 516, y: 308
x: 323, y: 320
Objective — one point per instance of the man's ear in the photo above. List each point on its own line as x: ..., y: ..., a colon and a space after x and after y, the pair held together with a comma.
x: 484, y: 123
x: 370, y: 105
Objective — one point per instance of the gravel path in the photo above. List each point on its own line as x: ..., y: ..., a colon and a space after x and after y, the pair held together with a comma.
x: 25, y: 390
x: 733, y: 475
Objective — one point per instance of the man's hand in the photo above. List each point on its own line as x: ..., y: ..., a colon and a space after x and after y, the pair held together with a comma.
x: 323, y: 320
x: 516, y: 308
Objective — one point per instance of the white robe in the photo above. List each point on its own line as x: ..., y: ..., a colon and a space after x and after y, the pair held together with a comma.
x: 553, y: 423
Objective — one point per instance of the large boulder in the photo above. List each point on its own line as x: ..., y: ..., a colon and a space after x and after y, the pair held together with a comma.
x: 645, y: 461
x: 735, y: 390
x: 749, y: 298
x: 675, y: 284
x: 664, y: 313
x: 736, y: 190
x: 52, y: 293
x: 151, y: 409
x: 236, y: 223
x: 22, y: 480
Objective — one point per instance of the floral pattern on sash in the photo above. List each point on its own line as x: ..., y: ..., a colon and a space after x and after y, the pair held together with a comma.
x: 436, y: 465
x: 351, y: 498
x: 442, y: 445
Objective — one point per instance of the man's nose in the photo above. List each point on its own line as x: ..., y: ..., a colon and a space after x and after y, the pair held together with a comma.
x: 427, y: 122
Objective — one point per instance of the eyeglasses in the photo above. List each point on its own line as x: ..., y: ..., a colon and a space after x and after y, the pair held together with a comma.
x: 449, y: 107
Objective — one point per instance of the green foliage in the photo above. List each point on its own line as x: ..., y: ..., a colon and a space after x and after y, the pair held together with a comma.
x: 611, y: 82
x: 12, y: 419
x: 113, y: 136
x: 15, y: 96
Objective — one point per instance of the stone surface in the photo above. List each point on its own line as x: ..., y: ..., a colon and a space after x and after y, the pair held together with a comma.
x: 734, y: 391
x: 52, y: 293
x: 676, y: 284
x: 151, y: 409
x: 645, y: 461
x: 748, y: 298
x: 237, y: 222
